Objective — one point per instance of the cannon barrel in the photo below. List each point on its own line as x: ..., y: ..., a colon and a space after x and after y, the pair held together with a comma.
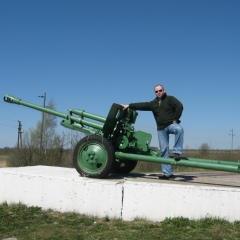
x: 19, y: 101
x: 74, y: 120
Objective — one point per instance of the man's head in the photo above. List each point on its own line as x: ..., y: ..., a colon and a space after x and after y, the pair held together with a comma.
x: 159, y: 90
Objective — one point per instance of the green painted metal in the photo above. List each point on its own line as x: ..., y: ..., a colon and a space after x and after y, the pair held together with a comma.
x: 188, y: 162
x: 75, y: 119
x: 117, y: 127
x: 92, y: 157
x: 114, y: 136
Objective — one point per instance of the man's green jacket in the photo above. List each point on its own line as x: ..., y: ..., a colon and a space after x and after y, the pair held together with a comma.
x: 165, y: 111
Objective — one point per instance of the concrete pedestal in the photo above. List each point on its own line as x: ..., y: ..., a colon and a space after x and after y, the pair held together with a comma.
x: 133, y: 196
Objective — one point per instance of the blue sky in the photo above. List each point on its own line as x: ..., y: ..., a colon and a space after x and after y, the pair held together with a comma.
x: 88, y: 54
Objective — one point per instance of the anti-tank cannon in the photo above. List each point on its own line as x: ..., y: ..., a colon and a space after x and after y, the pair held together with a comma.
x: 112, y: 144
x: 94, y: 155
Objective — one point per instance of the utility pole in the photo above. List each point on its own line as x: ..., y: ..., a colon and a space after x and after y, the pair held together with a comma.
x: 44, y: 103
x: 232, y: 138
x: 19, y: 143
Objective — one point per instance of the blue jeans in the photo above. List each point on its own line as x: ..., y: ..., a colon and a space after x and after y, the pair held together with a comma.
x: 163, y: 138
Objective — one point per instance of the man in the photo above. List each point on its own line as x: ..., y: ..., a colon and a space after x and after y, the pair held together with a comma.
x: 167, y: 111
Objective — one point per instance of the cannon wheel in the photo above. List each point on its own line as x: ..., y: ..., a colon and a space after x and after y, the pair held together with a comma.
x: 124, y: 166
x: 93, y: 157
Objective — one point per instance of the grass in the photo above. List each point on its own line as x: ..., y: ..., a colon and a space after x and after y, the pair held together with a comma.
x: 24, y: 222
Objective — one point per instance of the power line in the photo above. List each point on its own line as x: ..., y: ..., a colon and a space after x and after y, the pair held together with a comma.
x: 7, y: 119
x: 5, y: 125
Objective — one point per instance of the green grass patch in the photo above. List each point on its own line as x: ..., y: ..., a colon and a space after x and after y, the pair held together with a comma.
x: 24, y: 222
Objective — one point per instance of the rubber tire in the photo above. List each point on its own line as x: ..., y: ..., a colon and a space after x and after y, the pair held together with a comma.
x: 124, y: 166
x: 93, y: 157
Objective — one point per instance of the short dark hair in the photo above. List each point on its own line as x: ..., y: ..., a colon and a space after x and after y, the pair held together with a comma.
x: 159, y: 85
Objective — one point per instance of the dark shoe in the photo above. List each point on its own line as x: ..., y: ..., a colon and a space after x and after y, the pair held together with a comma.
x: 176, y: 156
x: 164, y: 177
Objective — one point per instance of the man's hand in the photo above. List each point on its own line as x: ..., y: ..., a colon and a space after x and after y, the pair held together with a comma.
x: 124, y: 106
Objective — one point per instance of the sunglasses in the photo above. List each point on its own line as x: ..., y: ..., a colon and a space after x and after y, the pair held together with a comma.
x: 158, y: 91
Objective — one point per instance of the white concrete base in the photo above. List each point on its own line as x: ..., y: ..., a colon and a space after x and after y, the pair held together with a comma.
x: 159, y: 201
x: 62, y: 189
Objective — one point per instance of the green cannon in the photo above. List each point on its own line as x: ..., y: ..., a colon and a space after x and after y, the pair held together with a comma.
x: 112, y: 145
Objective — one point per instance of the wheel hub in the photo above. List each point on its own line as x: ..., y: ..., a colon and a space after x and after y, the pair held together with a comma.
x: 92, y: 158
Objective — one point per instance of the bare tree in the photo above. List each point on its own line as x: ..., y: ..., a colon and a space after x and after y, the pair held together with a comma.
x: 204, y: 149
x: 44, y: 146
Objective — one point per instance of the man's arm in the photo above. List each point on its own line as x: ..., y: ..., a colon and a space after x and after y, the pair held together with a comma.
x: 142, y: 106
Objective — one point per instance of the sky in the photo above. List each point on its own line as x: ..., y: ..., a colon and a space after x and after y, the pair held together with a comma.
x: 88, y: 54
